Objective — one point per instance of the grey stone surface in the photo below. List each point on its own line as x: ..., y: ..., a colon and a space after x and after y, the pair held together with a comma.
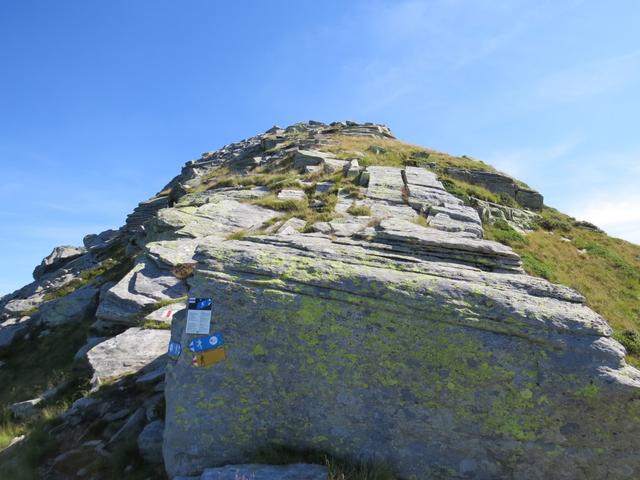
x: 14, y: 329
x: 150, y: 442
x: 91, y: 342
x: 127, y: 353
x: 305, y: 158
x: 145, y: 285
x: 425, y: 350
x: 292, y: 195
x: 165, y: 313
x: 293, y: 225
x: 56, y: 259
x: 220, y: 217
x: 519, y: 219
x: 101, y: 241
x: 499, y: 183
x: 130, y: 430
x: 77, y: 306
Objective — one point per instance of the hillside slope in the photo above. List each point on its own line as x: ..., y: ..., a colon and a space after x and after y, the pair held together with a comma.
x: 370, y: 263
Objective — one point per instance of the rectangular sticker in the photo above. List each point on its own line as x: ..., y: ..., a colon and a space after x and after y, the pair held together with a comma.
x: 199, y: 315
x: 209, y: 357
x: 201, y: 344
x: 175, y: 349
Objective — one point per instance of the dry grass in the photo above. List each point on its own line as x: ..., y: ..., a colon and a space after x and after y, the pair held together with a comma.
x: 395, y: 153
x: 359, y: 210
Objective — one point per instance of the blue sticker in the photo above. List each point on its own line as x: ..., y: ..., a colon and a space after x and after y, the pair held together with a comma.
x: 201, y: 344
x: 200, y: 303
x: 175, y: 349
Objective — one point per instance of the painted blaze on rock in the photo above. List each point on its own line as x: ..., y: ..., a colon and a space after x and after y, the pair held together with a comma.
x: 438, y: 370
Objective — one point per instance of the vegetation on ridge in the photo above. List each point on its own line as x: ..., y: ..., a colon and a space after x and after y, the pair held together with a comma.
x: 605, y: 270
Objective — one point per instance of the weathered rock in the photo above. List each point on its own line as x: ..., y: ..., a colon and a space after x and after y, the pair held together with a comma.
x: 292, y: 195
x: 324, y: 187
x: 519, y: 219
x: 144, y: 212
x: 152, y: 376
x: 91, y: 342
x: 305, y: 158
x: 78, y: 305
x: 291, y: 226
x: 13, y: 329
x: 127, y: 353
x: 56, y: 259
x: 403, y: 347
x: 165, y: 313
x: 333, y: 165
x: 150, y: 442
x: 145, y: 285
x: 354, y: 169
x: 499, y: 183
x: 130, y: 430
x: 296, y: 471
x: 101, y: 241
x: 218, y: 217
x: 26, y: 409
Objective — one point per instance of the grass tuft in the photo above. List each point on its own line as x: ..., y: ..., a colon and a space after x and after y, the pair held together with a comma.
x: 359, y: 210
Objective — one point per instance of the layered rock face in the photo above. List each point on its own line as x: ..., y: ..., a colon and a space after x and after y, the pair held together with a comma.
x: 379, y: 337
x: 363, y: 315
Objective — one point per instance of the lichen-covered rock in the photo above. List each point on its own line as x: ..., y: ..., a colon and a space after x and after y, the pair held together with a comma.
x: 150, y: 442
x: 401, y: 347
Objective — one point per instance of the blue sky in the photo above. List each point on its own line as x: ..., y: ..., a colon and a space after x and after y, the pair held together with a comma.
x: 102, y: 102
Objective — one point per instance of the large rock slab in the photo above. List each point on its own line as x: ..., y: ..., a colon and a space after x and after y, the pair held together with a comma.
x: 374, y: 351
x: 145, y: 285
x: 56, y: 259
x: 219, y: 216
x: 74, y: 307
x: 127, y: 353
x: 499, y: 183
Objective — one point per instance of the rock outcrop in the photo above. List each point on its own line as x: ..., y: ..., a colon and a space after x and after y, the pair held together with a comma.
x: 364, y: 315
x: 500, y: 183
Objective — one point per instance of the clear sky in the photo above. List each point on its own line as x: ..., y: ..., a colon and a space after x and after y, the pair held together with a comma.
x: 101, y: 102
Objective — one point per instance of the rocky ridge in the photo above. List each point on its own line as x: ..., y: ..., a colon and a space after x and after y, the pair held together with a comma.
x: 364, y: 315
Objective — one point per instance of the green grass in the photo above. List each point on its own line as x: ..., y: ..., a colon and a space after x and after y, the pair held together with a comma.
x: 605, y: 270
x: 501, y: 231
x: 552, y: 220
x: 394, y: 153
x: 465, y: 191
x: 239, y: 235
x: 282, y: 205
x: 32, y: 367
x: 156, y: 325
x: 112, y: 268
x: 353, y: 191
x: 420, y: 220
x: 359, y: 210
